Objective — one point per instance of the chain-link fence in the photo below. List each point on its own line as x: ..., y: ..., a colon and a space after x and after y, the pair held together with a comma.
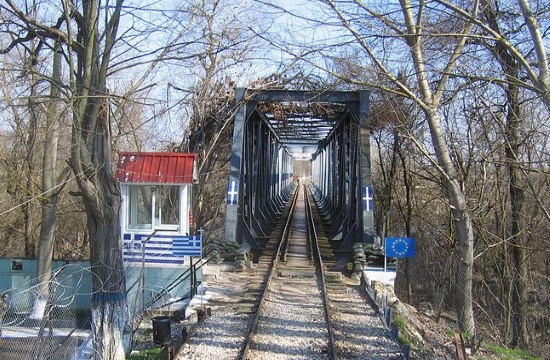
x: 34, y: 327
x: 55, y: 327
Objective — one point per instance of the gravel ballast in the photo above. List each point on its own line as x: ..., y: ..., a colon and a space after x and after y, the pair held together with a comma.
x: 296, y: 328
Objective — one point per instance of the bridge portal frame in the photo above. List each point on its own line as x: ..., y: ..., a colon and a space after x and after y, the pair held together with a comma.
x: 260, y: 178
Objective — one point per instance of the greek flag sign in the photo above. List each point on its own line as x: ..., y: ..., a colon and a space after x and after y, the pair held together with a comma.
x: 368, y: 200
x: 159, y: 250
x: 186, y: 245
x: 232, y: 192
x: 400, y: 247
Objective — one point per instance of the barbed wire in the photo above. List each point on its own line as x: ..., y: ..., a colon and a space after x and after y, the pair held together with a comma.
x: 60, y: 325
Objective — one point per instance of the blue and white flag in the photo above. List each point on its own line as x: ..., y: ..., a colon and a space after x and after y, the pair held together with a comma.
x: 187, y: 245
x: 159, y: 250
x: 400, y: 247
x: 368, y: 200
x: 232, y: 192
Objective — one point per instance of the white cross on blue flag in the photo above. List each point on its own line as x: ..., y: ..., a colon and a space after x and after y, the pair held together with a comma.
x: 232, y: 192
x: 368, y: 200
x: 160, y: 249
x: 186, y: 245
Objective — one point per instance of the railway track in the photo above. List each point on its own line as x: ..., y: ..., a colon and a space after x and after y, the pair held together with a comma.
x: 297, y: 303
x: 294, y: 303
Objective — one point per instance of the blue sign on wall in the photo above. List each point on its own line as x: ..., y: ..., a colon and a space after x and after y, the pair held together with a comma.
x: 368, y: 199
x: 167, y: 249
x: 232, y: 192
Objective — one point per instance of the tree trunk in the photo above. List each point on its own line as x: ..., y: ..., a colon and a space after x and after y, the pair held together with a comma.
x: 464, y: 227
x: 465, y: 234
x: 514, y: 123
x: 517, y: 236
x: 407, y: 216
x: 50, y: 195
x: 28, y: 208
x: 91, y: 161
x: 455, y: 196
x: 45, y: 253
x: 101, y: 197
x: 110, y: 326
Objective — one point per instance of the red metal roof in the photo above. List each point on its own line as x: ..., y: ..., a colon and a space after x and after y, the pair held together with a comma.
x: 156, y: 167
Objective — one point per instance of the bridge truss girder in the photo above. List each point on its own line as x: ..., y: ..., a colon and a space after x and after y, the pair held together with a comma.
x: 330, y: 127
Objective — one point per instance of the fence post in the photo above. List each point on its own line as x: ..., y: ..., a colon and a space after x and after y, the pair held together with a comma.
x: 388, y: 317
x: 192, y: 288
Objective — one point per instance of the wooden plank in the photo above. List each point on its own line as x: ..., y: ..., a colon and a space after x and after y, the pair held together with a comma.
x: 460, y: 347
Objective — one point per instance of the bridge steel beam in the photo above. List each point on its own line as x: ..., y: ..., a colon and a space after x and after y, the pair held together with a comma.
x: 343, y: 180
x: 260, y: 178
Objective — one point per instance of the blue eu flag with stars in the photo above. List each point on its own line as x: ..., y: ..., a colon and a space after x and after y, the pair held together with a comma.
x: 399, y: 247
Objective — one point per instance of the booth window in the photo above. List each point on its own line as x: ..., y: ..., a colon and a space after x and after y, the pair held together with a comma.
x: 139, y: 210
x: 158, y: 202
x: 167, y: 205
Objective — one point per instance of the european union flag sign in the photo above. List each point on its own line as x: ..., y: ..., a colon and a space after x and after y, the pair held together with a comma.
x: 399, y: 247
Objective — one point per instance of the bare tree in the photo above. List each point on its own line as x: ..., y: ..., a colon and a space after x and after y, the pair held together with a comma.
x: 224, y: 56
x: 91, y: 163
x: 523, y: 59
x: 52, y: 185
x: 530, y: 53
x: 432, y: 83
x: 392, y: 123
x: 513, y: 128
x: 19, y: 156
x: 90, y: 44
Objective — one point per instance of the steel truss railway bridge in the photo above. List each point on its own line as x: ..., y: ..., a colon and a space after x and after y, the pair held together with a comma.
x: 283, y: 137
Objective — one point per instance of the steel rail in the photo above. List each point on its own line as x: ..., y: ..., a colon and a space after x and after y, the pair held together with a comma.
x: 312, y: 234
x: 278, y: 256
x: 272, y: 270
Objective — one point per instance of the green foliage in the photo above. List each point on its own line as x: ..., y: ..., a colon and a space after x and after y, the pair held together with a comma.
x: 403, y: 340
x: 401, y: 325
x: 511, y: 354
x: 399, y: 322
x: 150, y: 354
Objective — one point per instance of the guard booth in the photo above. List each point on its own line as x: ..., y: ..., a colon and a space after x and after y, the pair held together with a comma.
x: 156, y: 215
